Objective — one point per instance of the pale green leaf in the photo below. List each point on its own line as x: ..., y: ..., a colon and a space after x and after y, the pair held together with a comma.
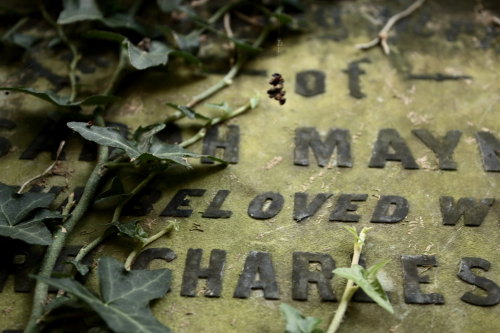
x: 79, y: 10
x: 155, y: 56
x: 131, y: 229
x: 168, y: 5
x: 297, y: 323
x: 371, y: 286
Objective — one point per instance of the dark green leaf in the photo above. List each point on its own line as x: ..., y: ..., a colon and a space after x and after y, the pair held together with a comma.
x: 126, y: 21
x: 188, y: 112
x: 106, y: 35
x: 368, y: 282
x: 79, y: 10
x: 106, y: 136
x: 81, y: 268
x: 113, y: 194
x: 125, y: 296
x: 168, y: 5
x: 23, y: 40
x: 22, y: 215
x: 131, y: 229
x: 141, y: 59
x: 297, y: 323
x: 63, y: 101
x: 143, y: 136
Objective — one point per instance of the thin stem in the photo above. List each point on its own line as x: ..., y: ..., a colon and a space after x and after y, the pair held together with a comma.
x: 92, y: 245
x: 384, y: 33
x: 76, y: 56
x: 134, y: 192
x: 131, y: 257
x: 46, y: 172
x: 118, y: 72
x: 116, y: 217
x: 54, y: 249
x: 16, y: 27
x: 350, y: 288
x: 228, y: 78
x: 214, y: 121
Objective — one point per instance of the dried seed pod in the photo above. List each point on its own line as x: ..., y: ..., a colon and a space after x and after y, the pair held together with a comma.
x: 277, y: 92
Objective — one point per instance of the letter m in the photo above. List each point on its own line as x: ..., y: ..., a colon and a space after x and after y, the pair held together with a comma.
x: 306, y: 137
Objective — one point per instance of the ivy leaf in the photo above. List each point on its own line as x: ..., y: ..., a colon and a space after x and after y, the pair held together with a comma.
x: 188, y: 112
x: 113, y: 194
x: 106, y: 35
x: 141, y: 59
x: 144, y: 135
x: 22, y: 215
x: 297, y: 323
x: 168, y: 5
x: 131, y: 229
x: 367, y: 280
x: 63, y: 101
x: 156, y: 151
x: 106, y: 136
x: 79, y: 10
x: 190, y: 42
x: 125, y: 296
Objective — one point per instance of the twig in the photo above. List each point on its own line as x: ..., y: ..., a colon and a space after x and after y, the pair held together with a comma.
x: 350, y: 288
x: 212, y: 122
x: 228, y: 78
x: 131, y: 257
x: 74, y: 52
x: 46, y: 172
x: 54, y: 249
x: 384, y: 33
x: 16, y: 27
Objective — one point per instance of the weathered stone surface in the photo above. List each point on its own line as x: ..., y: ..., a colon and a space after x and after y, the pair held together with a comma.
x: 429, y: 42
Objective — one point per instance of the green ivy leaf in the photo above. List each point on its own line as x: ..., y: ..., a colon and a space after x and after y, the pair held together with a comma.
x: 22, y: 215
x: 368, y: 282
x: 297, y: 323
x: 106, y: 136
x: 144, y: 135
x: 106, y: 35
x: 79, y: 10
x: 188, y: 112
x: 131, y: 229
x: 113, y: 194
x: 63, y: 101
x: 156, y: 151
x: 125, y: 296
x: 168, y: 5
x: 141, y: 59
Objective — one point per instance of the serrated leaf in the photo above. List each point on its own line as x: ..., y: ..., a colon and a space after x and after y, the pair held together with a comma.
x: 155, y: 56
x: 22, y: 215
x: 62, y: 101
x: 131, y: 229
x: 188, y: 112
x: 79, y: 10
x: 168, y: 5
x: 125, y: 296
x: 370, y: 284
x: 297, y: 323
x: 107, y: 136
